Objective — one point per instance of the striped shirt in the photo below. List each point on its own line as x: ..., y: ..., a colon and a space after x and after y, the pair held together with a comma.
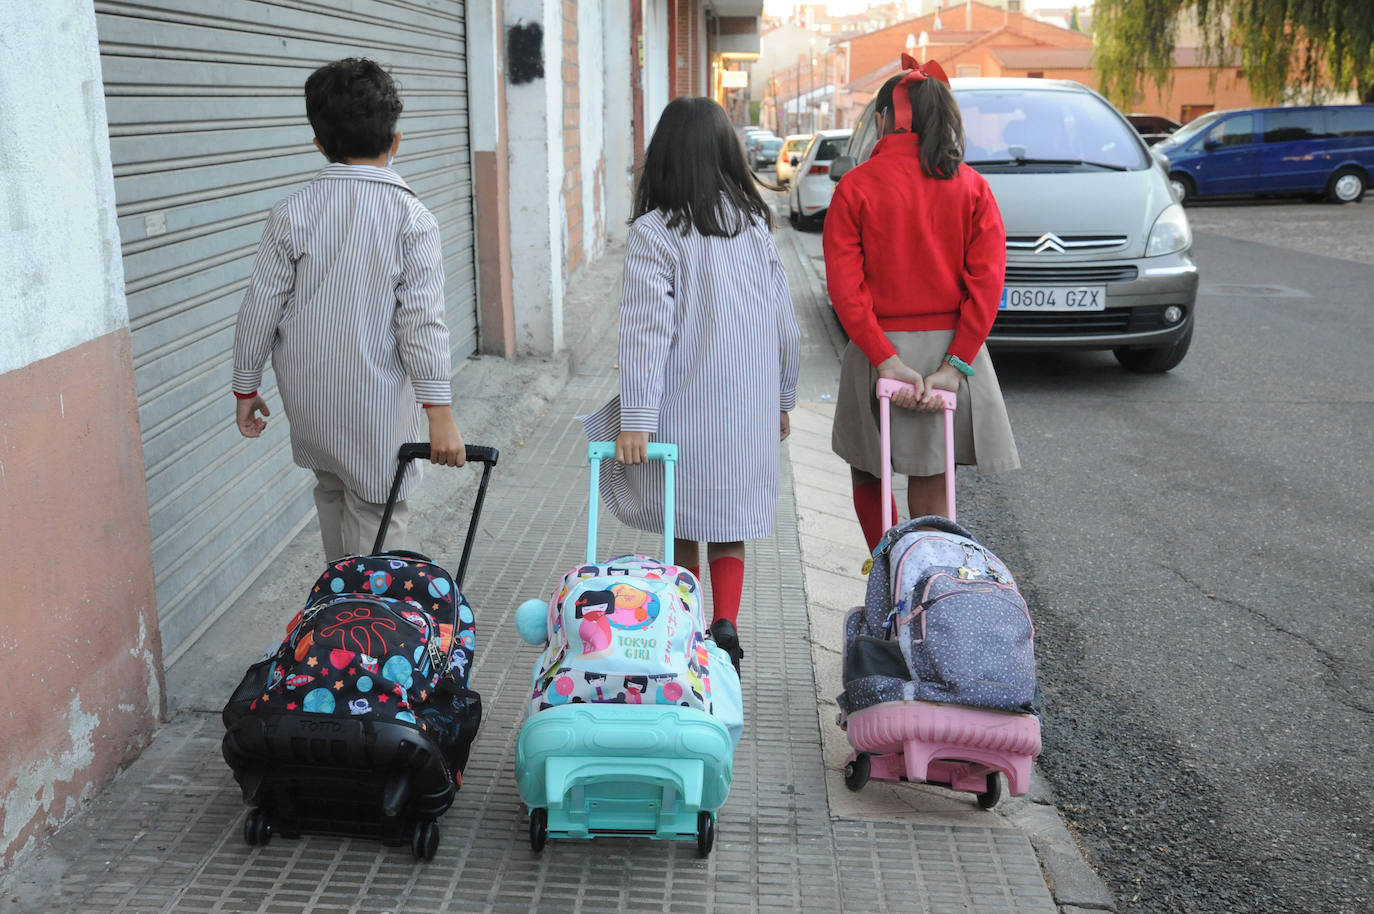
x: 347, y: 297
x: 709, y: 356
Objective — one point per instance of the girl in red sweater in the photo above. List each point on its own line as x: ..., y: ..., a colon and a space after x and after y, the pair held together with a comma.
x: 915, y: 253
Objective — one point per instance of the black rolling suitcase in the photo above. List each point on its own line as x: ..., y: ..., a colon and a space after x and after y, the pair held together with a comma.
x: 360, y: 722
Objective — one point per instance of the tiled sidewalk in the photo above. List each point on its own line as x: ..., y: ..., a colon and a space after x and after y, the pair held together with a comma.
x: 166, y: 837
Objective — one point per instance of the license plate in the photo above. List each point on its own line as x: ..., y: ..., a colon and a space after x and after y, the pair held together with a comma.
x: 1054, y: 298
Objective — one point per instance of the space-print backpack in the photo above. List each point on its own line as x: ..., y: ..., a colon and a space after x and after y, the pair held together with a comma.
x: 386, y: 636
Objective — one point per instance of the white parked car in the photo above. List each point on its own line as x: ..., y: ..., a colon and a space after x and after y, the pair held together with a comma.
x: 809, y: 195
x: 792, y: 147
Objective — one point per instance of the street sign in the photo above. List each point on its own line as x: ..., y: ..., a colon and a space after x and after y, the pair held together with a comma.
x: 734, y: 79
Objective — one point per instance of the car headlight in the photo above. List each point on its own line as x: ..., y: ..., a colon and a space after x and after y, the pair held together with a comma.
x: 1170, y: 233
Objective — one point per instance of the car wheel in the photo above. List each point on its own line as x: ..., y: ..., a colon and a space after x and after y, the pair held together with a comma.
x: 1346, y: 186
x: 1156, y: 359
x: 1183, y: 187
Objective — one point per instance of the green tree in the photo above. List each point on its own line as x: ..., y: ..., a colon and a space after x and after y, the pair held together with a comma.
x: 1073, y: 19
x: 1283, y: 44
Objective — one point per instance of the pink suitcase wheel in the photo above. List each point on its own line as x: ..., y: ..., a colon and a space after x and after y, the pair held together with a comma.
x: 990, y: 797
x: 857, y: 771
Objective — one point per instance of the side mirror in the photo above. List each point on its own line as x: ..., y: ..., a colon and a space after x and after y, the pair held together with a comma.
x: 840, y: 166
x: 796, y: 160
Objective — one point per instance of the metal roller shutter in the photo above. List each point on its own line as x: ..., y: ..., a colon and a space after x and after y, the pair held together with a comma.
x: 207, y: 132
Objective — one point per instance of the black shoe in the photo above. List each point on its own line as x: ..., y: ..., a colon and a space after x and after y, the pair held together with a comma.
x: 727, y: 639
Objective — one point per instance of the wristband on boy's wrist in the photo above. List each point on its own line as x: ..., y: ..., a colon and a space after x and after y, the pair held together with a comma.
x: 959, y: 364
x: 247, y: 396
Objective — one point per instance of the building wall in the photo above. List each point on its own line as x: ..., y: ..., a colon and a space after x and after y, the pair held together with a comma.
x: 536, y: 152
x: 594, y: 126
x: 572, y: 144
x: 879, y: 49
x: 778, y: 53
x: 657, y: 65
x: 690, y: 67
x: 620, y: 53
x: 490, y: 176
x: 81, y: 645
x: 1191, y: 88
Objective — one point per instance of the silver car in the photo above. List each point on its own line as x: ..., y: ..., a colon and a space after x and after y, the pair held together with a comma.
x: 1098, y: 249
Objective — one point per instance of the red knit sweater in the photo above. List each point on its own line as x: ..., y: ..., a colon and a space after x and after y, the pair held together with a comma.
x: 908, y: 252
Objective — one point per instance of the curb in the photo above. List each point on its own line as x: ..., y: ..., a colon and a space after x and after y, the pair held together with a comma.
x: 1075, y: 885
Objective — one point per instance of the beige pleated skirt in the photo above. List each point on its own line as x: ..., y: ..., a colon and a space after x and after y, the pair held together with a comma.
x: 982, y: 432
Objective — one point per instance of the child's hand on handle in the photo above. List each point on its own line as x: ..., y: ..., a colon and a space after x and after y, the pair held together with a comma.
x: 631, y: 447
x: 946, y: 377
x: 446, y: 445
x: 784, y: 427
x: 250, y: 425
x: 895, y: 369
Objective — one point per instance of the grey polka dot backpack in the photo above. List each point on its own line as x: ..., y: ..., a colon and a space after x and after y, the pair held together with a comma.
x: 943, y: 617
x: 939, y: 662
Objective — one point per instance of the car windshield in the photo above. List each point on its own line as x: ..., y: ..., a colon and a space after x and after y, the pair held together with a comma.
x: 1017, y: 127
x: 771, y: 145
x: 795, y: 145
x: 1185, y: 134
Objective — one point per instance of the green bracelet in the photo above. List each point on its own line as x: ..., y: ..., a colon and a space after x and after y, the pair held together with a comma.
x: 963, y: 367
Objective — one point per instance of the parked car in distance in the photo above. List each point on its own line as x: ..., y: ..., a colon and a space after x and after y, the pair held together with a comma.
x: 752, y: 141
x: 1153, y: 127
x: 808, y: 196
x: 793, y: 145
x: 1098, y: 250
x: 765, y: 153
x: 1324, y: 149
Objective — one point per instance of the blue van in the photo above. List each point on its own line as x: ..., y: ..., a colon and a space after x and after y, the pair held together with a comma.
x: 1327, y: 149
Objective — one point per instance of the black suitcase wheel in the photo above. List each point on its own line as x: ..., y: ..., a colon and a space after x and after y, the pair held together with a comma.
x: 539, y: 828
x: 990, y: 797
x: 856, y: 772
x: 706, y: 833
x: 257, y: 830
x: 424, y: 841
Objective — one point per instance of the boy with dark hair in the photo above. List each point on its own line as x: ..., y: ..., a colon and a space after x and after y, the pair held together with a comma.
x: 347, y: 297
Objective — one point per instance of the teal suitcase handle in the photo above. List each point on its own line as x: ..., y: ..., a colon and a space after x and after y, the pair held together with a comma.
x: 598, y: 451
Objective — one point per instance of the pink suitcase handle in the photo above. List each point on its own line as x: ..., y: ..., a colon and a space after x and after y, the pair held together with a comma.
x: 886, y: 388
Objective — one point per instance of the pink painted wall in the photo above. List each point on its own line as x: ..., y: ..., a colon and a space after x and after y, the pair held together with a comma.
x: 78, y: 623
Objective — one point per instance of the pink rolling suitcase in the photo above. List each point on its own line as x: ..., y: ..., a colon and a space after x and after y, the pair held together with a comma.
x: 896, y: 736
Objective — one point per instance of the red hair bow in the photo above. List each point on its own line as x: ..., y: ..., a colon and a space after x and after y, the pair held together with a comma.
x: 901, y: 100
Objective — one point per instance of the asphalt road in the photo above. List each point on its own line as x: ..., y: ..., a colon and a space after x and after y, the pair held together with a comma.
x: 1198, y: 552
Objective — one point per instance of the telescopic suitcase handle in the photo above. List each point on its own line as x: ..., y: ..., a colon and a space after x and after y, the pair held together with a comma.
x: 419, y: 450
x: 886, y: 388
x: 598, y: 451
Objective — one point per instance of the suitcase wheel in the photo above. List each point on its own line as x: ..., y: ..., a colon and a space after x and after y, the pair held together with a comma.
x: 856, y: 772
x: 424, y: 841
x: 706, y: 833
x: 257, y: 829
x: 539, y: 828
x: 990, y: 797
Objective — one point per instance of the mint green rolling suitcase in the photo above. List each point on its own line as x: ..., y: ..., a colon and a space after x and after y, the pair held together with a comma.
x: 636, y: 751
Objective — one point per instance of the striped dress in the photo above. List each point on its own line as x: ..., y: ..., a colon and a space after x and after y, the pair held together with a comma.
x: 347, y: 297
x: 709, y: 355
